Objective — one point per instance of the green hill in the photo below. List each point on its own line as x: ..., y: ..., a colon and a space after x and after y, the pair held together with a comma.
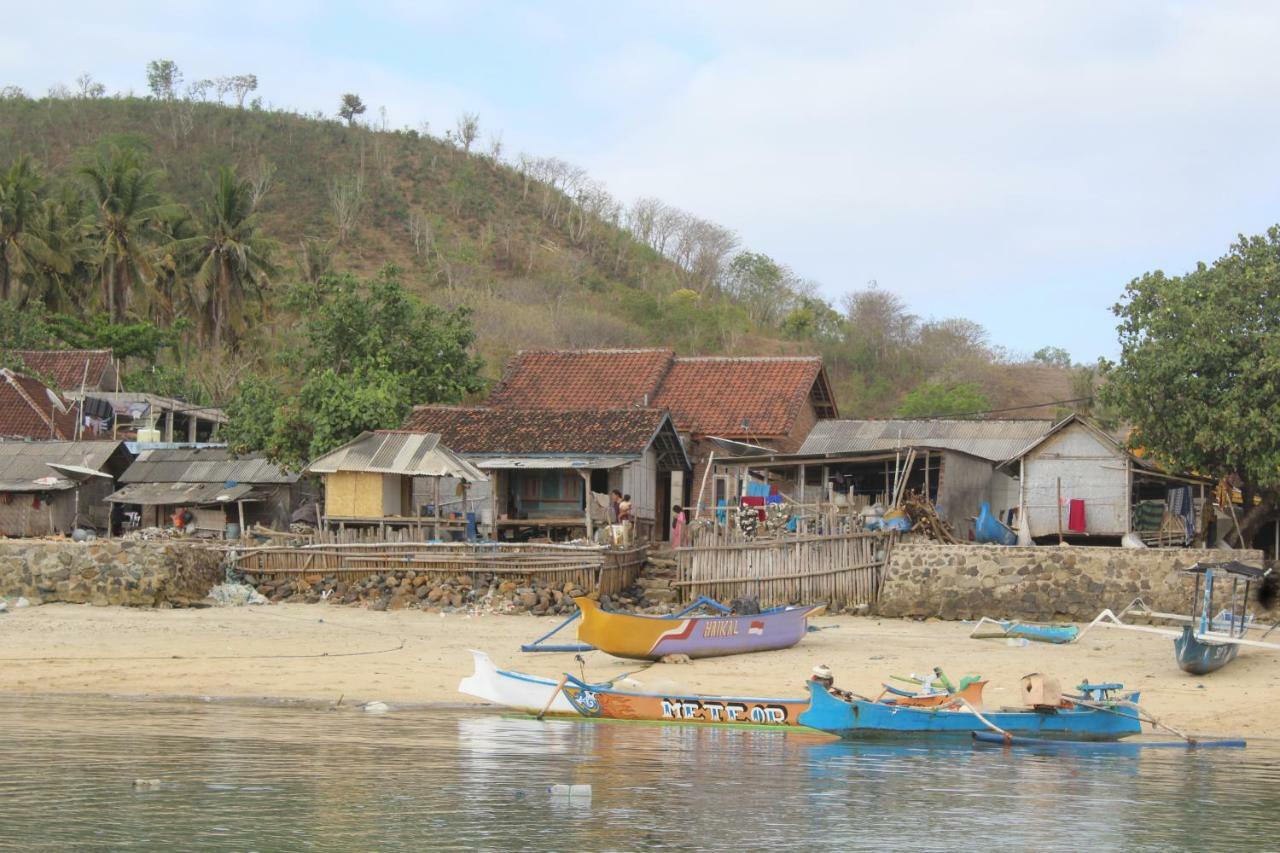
x: 540, y: 254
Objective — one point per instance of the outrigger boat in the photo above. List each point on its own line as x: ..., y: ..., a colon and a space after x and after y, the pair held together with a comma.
x: 576, y: 698
x: 653, y: 637
x: 1000, y: 629
x: 1207, y: 642
x: 1093, y: 716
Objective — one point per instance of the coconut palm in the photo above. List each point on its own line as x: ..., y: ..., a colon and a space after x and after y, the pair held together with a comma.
x: 123, y: 190
x: 233, y: 261
x: 59, y: 280
x: 22, y: 247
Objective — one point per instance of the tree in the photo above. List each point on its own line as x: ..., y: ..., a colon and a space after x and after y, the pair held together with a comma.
x: 89, y: 88
x: 937, y: 400
x: 123, y: 191
x: 1199, y: 356
x: 22, y: 248
x: 233, y: 260
x: 351, y: 106
x: 371, y: 353
x: 1052, y: 357
x: 241, y: 85
x: 762, y: 285
x: 163, y: 79
x: 466, y: 130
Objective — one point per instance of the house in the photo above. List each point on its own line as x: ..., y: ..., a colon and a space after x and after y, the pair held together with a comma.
x: 53, y: 487
x: 382, y: 478
x: 716, y: 402
x: 71, y: 370
x: 151, y: 418
x: 544, y: 464
x: 1082, y: 483
x: 217, y: 487
x: 849, y: 464
x: 29, y: 409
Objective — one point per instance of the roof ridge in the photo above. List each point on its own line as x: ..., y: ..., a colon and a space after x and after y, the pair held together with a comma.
x: 815, y: 358
x: 591, y: 350
x: 11, y: 377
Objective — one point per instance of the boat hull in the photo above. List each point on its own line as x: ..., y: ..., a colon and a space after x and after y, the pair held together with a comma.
x: 578, y: 699
x: 653, y: 637
x: 1199, y: 657
x: 863, y: 719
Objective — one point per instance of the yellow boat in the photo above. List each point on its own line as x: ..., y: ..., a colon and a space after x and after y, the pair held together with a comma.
x: 652, y: 637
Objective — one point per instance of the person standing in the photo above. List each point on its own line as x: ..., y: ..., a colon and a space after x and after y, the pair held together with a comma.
x: 615, y: 502
x: 677, y: 526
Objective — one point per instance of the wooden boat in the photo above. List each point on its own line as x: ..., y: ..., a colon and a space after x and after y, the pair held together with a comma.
x: 652, y: 637
x: 573, y: 697
x: 971, y: 693
x: 858, y: 718
x: 1039, y: 632
x: 1206, y: 642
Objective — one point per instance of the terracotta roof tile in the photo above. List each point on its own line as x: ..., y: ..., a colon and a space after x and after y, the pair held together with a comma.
x: 738, y: 397
x: 28, y: 409
x: 480, y: 430
x: 66, y: 368
x: 582, y: 379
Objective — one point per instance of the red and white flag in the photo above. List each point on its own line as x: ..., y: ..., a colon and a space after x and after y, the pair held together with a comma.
x: 756, y: 627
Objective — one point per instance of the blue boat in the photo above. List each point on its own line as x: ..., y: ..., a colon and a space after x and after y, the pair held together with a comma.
x: 858, y: 718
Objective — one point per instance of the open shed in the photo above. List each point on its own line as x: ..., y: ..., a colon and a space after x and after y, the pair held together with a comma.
x: 51, y: 487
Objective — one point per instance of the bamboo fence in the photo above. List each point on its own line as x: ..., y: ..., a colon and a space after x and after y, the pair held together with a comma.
x: 845, y: 569
x: 592, y: 568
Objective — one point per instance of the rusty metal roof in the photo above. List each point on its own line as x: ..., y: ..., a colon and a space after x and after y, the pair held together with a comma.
x: 410, y: 454
x: 994, y: 440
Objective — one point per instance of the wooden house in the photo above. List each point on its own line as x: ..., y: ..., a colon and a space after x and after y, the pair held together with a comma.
x: 53, y: 487
x: 378, y: 478
x: 217, y: 487
x: 545, y: 466
x: 716, y: 403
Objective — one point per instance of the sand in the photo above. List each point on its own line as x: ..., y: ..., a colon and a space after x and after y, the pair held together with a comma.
x: 322, y: 652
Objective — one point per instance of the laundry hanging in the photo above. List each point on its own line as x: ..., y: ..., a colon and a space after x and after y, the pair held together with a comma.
x: 1075, y: 516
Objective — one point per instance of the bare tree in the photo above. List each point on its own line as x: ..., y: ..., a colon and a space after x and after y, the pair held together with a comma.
x: 466, y: 130
x: 240, y: 86
x: 495, y: 148
x: 262, y: 177
x: 421, y: 231
x: 89, y: 88
x: 163, y: 79
x: 12, y: 93
x: 346, y: 196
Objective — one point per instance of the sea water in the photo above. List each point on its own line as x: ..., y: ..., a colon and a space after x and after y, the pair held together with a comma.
x: 236, y: 777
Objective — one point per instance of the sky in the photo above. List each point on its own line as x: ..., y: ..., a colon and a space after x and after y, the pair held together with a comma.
x: 1015, y: 163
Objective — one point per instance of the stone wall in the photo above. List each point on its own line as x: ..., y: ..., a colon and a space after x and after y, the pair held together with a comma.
x: 108, y: 571
x: 1047, y: 583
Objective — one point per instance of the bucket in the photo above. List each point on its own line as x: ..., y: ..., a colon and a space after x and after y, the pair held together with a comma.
x: 233, y: 530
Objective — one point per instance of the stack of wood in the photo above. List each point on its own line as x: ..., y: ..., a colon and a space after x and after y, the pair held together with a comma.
x: 925, y: 519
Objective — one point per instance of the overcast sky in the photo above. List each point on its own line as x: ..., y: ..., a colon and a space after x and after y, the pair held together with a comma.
x: 1015, y: 163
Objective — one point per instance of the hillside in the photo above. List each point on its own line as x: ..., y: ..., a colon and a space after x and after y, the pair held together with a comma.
x: 541, y: 254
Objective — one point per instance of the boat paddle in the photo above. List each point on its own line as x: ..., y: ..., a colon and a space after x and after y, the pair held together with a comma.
x: 554, y: 694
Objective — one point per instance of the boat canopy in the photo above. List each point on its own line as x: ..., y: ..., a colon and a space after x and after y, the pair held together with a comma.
x: 1233, y: 567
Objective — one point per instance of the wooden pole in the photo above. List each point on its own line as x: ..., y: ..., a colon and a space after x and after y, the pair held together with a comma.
x: 1059, y: 510
x: 559, y: 687
x: 711, y: 459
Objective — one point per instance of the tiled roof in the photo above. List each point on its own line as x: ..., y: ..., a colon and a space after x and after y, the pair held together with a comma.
x: 582, y: 379
x: 994, y: 440
x: 706, y: 395
x: 481, y: 430
x: 67, y: 369
x: 738, y: 397
x: 29, y: 409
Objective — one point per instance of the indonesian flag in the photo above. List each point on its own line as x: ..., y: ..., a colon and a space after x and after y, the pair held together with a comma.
x: 756, y: 627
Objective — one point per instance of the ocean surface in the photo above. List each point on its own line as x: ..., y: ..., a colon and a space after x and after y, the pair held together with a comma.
x: 237, y: 777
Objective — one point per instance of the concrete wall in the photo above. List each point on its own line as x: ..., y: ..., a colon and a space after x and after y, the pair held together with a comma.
x: 108, y: 571
x: 1072, y: 583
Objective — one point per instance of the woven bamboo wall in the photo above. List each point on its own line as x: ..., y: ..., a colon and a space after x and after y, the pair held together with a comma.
x: 845, y: 569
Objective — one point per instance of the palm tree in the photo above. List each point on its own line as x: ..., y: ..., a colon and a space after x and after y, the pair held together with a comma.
x: 234, y: 260
x: 22, y: 247
x: 59, y: 280
x: 128, y: 206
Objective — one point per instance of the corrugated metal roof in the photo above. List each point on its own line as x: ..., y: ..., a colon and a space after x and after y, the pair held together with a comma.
x: 181, y: 494
x: 994, y: 440
x: 138, y: 403
x: 409, y: 454
x: 24, y: 462
x: 203, y: 465
x: 551, y: 462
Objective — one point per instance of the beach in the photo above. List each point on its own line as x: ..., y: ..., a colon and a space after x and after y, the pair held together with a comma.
x: 326, y: 653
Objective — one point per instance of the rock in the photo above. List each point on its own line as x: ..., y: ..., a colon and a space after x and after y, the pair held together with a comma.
x: 527, y: 599
x: 675, y: 659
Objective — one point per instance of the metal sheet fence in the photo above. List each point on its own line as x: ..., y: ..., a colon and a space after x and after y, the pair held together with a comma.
x: 845, y: 569
x: 591, y: 568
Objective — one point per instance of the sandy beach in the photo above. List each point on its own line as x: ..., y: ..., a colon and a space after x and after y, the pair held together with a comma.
x: 324, y: 652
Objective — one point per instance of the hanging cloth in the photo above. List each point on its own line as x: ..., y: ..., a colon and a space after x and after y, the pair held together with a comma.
x: 1075, y: 516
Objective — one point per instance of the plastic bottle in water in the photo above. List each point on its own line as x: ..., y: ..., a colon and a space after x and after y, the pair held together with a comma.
x: 570, y: 793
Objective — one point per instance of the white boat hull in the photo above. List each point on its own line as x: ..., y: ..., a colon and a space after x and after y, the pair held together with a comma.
x: 513, y: 690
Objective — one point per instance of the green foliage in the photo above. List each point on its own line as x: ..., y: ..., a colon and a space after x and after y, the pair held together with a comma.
x: 24, y: 327
x: 1198, y: 368
x: 163, y: 79
x: 371, y: 353
x: 167, y: 380
x: 934, y: 399
x: 1053, y: 357
x: 140, y: 339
